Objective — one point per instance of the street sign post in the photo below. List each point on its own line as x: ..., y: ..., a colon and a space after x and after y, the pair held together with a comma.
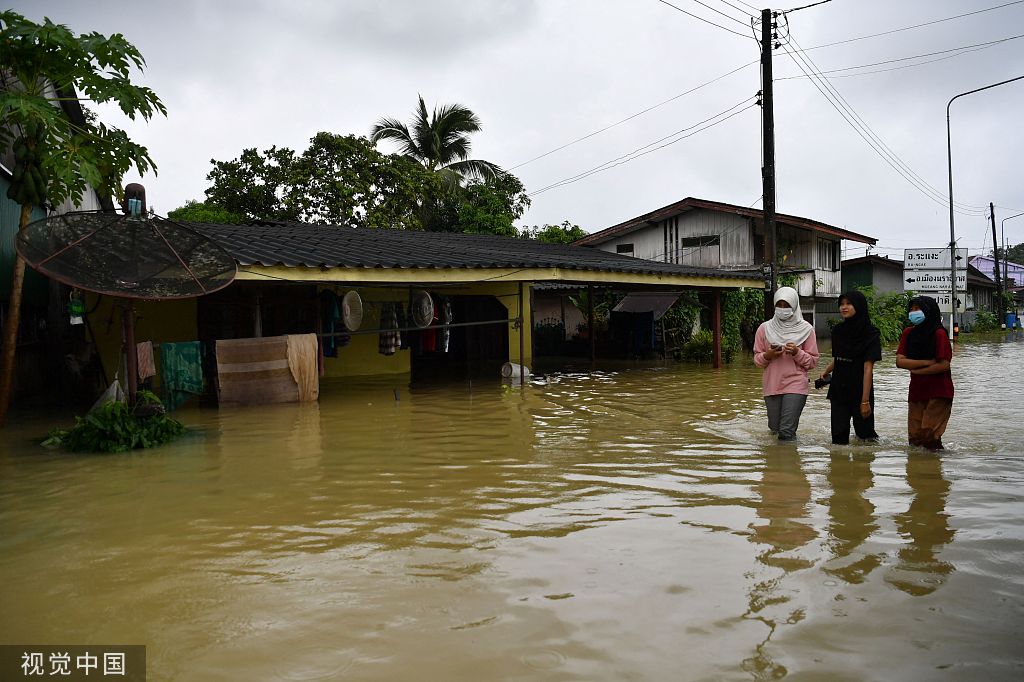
x: 933, y: 259
x: 926, y: 281
x: 944, y: 305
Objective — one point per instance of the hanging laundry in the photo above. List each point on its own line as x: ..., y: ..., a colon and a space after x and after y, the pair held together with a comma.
x: 147, y: 365
x: 181, y: 372
x: 390, y: 338
x: 404, y: 321
x: 446, y: 319
x: 302, y: 361
x: 330, y: 321
x: 430, y: 335
x: 256, y: 371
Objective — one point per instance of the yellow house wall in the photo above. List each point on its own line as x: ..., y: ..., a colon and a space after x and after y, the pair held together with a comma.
x: 155, y: 321
x: 361, y: 356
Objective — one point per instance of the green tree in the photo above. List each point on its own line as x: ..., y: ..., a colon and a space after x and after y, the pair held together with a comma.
x: 1014, y: 254
x: 490, y: 206
x: 43, y: 66
x: 205, y: 212
x: 439, y: 141
x: 566, y: 233
x: 254, y: 185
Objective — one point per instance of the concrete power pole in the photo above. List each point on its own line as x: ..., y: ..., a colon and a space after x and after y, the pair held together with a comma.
x: 997, y: 307
x: 768, y: 160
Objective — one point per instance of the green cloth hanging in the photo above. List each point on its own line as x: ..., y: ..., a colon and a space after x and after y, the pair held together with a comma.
x: 181, y: 372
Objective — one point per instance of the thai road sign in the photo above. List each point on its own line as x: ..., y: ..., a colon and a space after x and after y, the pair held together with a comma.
x: 943, y: 301
x: 932, y: 280
x: 932, y: 259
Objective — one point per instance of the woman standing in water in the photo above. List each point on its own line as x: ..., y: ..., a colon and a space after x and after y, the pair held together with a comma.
x: 925, y: 350
x: 856, y: 347
x: 785, y: 348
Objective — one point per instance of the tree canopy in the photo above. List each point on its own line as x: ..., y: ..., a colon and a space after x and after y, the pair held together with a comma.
x: 439, y: 141
x: 1014, y: 254
x: 45, y: 69
x: 345, y: 180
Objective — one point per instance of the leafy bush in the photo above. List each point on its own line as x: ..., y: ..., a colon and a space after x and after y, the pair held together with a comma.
x: 985, y: 321
x: 700, y: 348
x: 116, y: 427
x: 888, y: 312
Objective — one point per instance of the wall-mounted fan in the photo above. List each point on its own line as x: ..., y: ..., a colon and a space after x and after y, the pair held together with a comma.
x: 351, y: 311
x: 421, y: 309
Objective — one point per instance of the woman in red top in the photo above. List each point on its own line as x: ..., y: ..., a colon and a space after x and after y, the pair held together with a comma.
x: 925, y: 350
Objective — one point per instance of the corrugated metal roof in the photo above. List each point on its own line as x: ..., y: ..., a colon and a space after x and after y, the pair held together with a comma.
x: 332, y: 246
x: 691, y: 203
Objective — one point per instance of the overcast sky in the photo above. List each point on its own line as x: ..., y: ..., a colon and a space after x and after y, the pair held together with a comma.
x: 543, y: 73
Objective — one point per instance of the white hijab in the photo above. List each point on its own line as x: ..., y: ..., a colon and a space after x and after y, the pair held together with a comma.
x: 794, y: 330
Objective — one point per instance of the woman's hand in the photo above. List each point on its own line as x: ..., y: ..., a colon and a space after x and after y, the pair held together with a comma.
x: 790, y: 348
x: 865, y: 410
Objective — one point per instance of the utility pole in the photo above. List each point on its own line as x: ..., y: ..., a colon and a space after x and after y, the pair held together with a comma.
x: 768, y: 156
x: 997, y: 308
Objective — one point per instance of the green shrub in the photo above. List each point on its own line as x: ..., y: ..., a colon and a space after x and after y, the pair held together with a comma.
x: 985, y: 321
x: 700, y: 348
x: 116, y: 427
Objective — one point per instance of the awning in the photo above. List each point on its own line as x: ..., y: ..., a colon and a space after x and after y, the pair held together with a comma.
x: 646, y: 302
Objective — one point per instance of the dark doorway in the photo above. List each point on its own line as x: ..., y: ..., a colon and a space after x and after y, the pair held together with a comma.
x: 474, y: 351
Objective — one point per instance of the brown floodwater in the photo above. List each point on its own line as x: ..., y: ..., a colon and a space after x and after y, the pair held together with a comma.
x: 637, y: 523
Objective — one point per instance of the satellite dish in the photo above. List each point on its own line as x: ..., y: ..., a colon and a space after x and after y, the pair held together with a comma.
x: 422, y: 309
x: 351, y: 311
x: 132, y: 257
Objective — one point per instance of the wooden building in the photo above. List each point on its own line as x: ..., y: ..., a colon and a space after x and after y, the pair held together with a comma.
x: 710, y: 234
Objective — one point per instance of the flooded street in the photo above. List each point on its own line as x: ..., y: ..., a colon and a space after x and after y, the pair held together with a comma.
x: 636, y: 524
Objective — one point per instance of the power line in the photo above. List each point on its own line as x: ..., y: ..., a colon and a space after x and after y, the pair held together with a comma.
x: 727, y: 16
x: 631, y: 117
x: 797, y: 9
x: 908, y: 28
x: 897, y: 68
x: 738, y: 9
x: 706, y: 21
x: 869, y: 136
x: 814, y: 67
x: 651, y: 147
x: 959, y: 50
x: 756, y: 10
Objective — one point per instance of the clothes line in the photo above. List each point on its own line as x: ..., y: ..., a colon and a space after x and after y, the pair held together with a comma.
x: 511, y: 320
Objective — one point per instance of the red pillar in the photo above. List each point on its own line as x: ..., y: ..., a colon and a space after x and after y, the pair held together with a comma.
x: 716, y: 330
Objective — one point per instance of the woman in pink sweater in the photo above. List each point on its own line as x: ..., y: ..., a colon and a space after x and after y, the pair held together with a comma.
x: 786, y: 349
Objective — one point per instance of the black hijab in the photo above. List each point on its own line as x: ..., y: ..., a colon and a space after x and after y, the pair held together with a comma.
x: 852, y: 337
x: 921, y: 339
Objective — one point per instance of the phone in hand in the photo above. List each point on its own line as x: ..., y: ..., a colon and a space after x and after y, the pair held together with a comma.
x: 823, y: 381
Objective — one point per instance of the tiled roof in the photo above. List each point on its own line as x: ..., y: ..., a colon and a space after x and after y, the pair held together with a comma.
x: 691, y: 203
x: 332, y: 246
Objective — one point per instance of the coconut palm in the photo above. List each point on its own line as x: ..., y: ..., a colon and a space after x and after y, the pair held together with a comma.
x: 439, y: 141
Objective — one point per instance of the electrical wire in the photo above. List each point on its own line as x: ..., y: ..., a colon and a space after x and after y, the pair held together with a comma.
x: 797, y: 9
x: 965, y: 208
x: 738, y: 9
x: 749, y: 5
x: 706, y: 21
x: 849, y: 115
x: 959, y: 50
x: 727, y: 16
x: 632, y: 116
x: 679, y: 135
x: 908, y: 28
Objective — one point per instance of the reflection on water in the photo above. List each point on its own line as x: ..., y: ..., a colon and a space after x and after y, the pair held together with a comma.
x: 925, y: 525
x: 633, y: 523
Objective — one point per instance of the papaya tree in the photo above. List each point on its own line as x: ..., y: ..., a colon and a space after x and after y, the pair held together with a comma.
x: 46, y: 69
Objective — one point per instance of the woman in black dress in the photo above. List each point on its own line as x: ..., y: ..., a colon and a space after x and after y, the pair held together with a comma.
x: 856, y: 347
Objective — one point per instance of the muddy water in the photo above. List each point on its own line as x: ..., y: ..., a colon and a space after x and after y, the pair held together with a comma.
x: 634, y: 524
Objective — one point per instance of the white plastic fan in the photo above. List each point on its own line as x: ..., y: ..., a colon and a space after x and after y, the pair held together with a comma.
x: 351, y: 310
x: 421, y: 309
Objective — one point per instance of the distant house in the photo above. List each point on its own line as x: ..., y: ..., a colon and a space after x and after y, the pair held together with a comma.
x: 1014, y: 272
x: 712, y: 234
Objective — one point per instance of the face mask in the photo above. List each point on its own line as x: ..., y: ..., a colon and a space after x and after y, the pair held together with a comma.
x: 784, y: 313
x: 916, y: 317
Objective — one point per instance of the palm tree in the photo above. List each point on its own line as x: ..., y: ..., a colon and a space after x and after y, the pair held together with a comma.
x: 440, y: 142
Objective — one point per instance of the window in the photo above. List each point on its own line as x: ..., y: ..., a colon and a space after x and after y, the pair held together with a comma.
x: 624, y: 248
x: 700, y: 242
x: 827, y: 254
